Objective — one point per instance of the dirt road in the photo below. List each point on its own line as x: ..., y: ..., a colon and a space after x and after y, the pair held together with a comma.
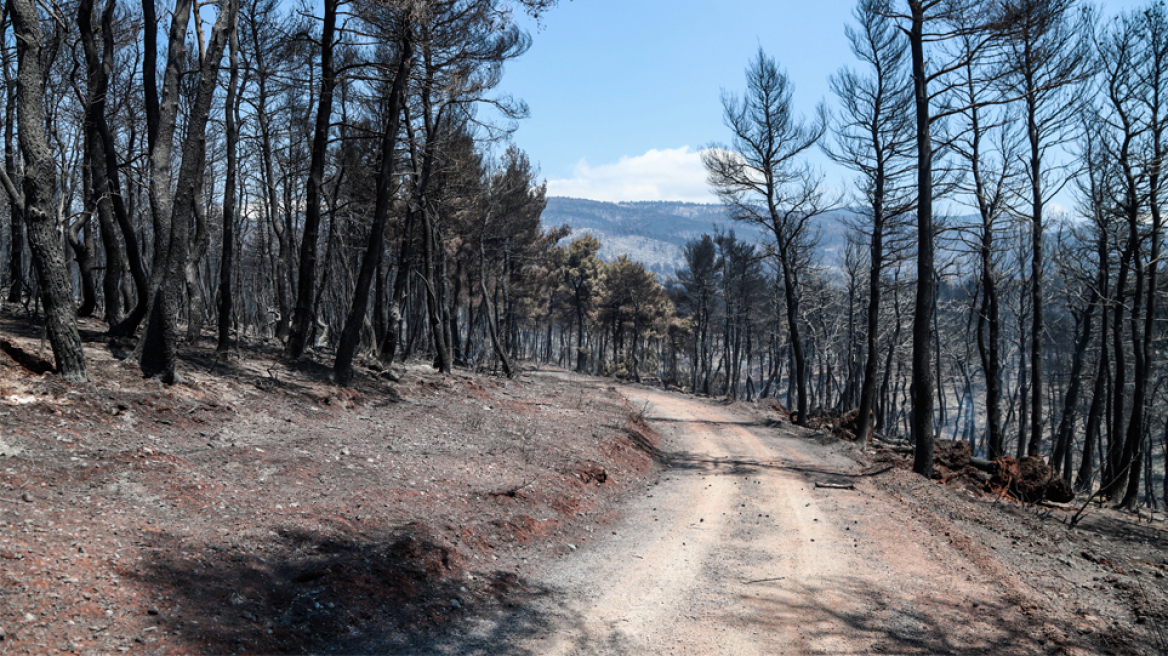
x: 735, y: 550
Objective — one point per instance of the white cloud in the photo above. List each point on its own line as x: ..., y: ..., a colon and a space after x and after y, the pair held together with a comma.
x: 669, y: 174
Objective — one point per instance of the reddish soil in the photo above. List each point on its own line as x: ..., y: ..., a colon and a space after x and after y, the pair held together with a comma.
x: 256, y: 508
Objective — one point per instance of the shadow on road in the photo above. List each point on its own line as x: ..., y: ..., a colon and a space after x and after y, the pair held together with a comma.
x: 838, y: 618
x: 848, y: 615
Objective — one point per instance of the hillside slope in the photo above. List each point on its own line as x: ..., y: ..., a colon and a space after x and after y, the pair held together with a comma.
x: 654, y: 232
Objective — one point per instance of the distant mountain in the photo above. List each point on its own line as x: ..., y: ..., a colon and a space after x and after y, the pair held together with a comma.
x: 654, y: 232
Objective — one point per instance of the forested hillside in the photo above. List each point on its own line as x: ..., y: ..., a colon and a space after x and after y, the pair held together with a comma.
x: 655, y: 233
x: 652, y: 233
x: 330, y: 184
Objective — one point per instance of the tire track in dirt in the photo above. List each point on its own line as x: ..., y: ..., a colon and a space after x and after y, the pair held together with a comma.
x: 735, y: 551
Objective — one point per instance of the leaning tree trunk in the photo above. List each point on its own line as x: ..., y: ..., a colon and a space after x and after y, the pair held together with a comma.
x: 355, y: 320
x: 104, y: 157
x: 97, y: 81
x: 39, y: 192
x: 492, y: 326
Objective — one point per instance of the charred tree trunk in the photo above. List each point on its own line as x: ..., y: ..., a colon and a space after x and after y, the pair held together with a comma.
x: 355, y: 320
x: 1094, y: 416
x: 39, y: 191
x: 16, y: 282
x: 1115, y: 471
x: 1060, y: 457
x: 227, y: 255
x: 922, y: 383
x: 195, y: 300
x: 581, y: 359
x: 431, y: 242
x: 80, y: 240
x: 112, y: 178
x: 389, y: 341
x: 799, y: 358
x: 872, y: 352
x: 489, y: 313
x: 97, y: 81
x: 280, y: 270
x: 160, y: 343
x: 161, y: 117
x: 302, y: 317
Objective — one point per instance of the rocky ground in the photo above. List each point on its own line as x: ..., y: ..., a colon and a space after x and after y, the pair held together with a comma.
x: 256, y: 508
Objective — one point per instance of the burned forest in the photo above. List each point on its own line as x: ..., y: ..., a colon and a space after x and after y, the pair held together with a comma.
x: 208, y: 202
x: 342, y: 186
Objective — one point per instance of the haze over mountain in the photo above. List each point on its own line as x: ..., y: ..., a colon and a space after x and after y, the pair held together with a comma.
x: 655, y: 232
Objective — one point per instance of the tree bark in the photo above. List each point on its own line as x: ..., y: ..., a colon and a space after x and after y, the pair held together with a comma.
x: 79, y: 236
x: 1063, y: 445
x: 1037, y: 327
x: 799, y: 358
x: 922, y: 384
x: 1142, y: 342
x: 16, y: 282
x: 160, y: 343
x: 39, y: 192
x: 161, y: 118
x: 1115, y: 471
x: 199, y: 245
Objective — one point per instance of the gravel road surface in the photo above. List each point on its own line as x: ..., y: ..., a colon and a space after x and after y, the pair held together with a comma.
x: 751, y: 543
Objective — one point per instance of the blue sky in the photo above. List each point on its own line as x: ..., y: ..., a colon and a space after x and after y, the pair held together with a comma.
x: 624, y: 93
